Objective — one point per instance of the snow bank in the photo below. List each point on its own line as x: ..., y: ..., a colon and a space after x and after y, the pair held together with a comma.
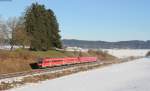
x: 123, y: 53
x: 130, y: 76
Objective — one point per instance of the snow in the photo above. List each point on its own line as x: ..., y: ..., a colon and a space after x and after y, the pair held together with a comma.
x: 123, y: 53
x: 10, y: 80
x: 7, y: 47
x: 129, y: 76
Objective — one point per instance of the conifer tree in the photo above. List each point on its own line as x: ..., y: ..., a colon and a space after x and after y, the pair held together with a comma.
x: 42, y: 27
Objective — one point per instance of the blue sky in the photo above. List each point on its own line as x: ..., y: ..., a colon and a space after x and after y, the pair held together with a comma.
x: 107, y: 20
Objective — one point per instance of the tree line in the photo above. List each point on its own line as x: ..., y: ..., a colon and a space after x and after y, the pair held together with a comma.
x: 37, y: 28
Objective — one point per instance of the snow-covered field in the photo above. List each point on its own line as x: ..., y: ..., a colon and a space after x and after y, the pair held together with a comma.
x: 129, y: 76
x: 122, y: 53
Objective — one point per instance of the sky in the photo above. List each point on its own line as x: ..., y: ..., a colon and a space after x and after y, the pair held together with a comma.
x: 106, y: 20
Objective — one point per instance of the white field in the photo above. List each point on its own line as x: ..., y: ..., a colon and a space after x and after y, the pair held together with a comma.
x: 129, y: 76
x: 123, y: 53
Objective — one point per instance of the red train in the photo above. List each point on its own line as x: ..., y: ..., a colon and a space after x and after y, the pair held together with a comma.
x: 51, y: 62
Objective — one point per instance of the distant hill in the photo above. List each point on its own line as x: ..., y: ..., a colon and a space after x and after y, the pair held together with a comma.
x: 133, y: 44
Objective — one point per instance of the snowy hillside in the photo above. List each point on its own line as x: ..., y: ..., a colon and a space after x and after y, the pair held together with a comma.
x: 130, y: 76
x: 122, y: 53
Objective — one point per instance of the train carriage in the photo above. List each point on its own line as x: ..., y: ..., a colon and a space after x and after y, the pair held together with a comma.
x: 51, y: 62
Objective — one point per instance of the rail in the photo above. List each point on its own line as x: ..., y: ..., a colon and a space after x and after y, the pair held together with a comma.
x: 49, y: 70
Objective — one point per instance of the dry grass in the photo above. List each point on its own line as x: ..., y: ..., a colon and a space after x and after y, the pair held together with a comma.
x: 14, y: 65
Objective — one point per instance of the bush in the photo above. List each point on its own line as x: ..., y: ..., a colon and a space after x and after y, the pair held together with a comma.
x: 101, y: 55
x: 148, y: 54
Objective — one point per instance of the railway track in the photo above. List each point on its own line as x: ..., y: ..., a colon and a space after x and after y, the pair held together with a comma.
x: 46, y: 70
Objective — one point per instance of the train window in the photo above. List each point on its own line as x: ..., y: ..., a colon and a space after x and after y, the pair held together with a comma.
x: 57, y: 60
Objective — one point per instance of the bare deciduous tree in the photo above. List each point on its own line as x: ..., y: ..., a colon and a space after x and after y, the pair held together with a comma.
x: 13, y: 31
x: 12, y: 24
x: 3, y: 32
x: 20, y: 36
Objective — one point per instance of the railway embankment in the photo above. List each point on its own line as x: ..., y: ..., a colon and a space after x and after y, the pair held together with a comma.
x: 23, y: 60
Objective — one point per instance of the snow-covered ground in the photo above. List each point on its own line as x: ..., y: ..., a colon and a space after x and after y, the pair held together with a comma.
x: 129, y: 76
x: 7, y: 47
x: 122, y: 53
